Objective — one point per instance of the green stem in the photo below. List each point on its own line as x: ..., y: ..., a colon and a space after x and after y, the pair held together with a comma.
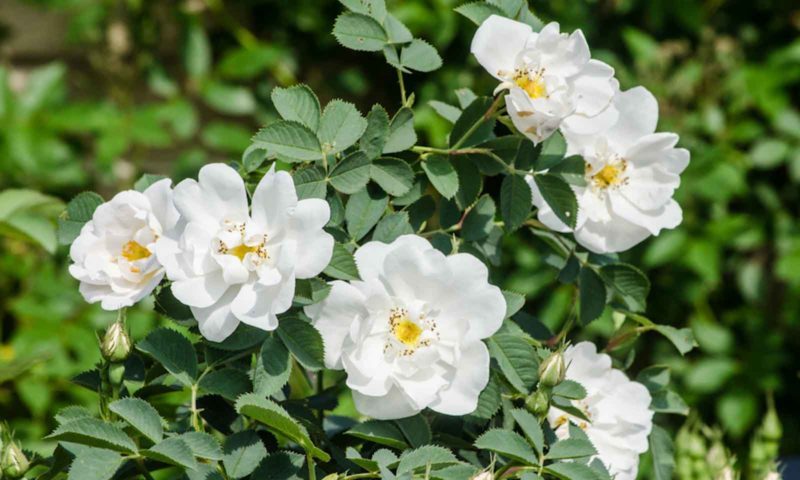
x: 402, y: 87
x: 312, y: 469
x: 502, y: 471
x: 490, y: 112
x: 141, y: 467
x: 357, y: 476
x: 197, y: 423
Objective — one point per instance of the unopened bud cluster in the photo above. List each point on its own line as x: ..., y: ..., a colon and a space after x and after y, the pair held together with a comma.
x: 551, y: 372
x: 13, y: 462
x: 116, y: 344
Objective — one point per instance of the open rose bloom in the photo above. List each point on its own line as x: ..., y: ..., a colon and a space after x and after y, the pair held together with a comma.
x: 235, y: 263
x: 115, y: 254
x: 409, y: 334
x: 551, y: 79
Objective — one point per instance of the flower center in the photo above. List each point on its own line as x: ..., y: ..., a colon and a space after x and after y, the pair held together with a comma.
x: 241, y: 250
x: 244, y: 246
x: 134, y: 250
x: 407, y: 335
x: 611, y: 175
x: 407, y: 332
x: 531, y: 83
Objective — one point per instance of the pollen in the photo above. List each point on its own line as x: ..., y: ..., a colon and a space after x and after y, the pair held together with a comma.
x: 533, y: 85
x: 610, y: 175
x: 134, y: 250
x: 239, y: 251
x: 408, y: 332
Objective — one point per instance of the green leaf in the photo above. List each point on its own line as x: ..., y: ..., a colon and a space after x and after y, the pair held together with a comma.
x: 393, y: 175
x: 247, y: 63
x: 421, y: 56
x: 380, y: 432
x: 94, y: 433
x: 280, y: 466
x: 553, y: 150
x: 515, y: 201
x: 402, y: 135
x: 663, y: 453
x: 363, y: 211
x: 571, y: 448
x: 480, y: 220
x: 592, y: 295
x: 202, y: 445
x: 559, y: 196
x: 174, y: 352
x: 253, y: 157
x: 297, y: 103
x: 303, y: 340
x: 571, y: 471
x: 570, y: 389
x: 244, y: 337
x: 95, y: 464
x: 79, y: 211
x: 629, y: 283
x: 415, y: 429
x: 463, y: 133
x: 507, y: 444
x: 357, y: 31
x: 516, y: 358
x: 441, y: 174
x: 144, y: 182
x: 273, y: 368
x: 172, y: 451
x: 242, y: 453
x: 374, y: 8
x: 683, y: 339
x: 341, y: 126
x: 488, y: 400
x: 225, y: 136
x: 291, y: 141
x: 310, y: 183
x: 479, y: 11
x: 229, y: 99
x: 141, y: 416
x: 530, y: 427
x: 374, y: 138
x: 470, y: 183
x: 196, y: 51
x: 392, y: 226
x: 278, y: 420
x: 421, y: 458
x: 572, y: 170
x: 351, y: 174
x: 445, y: 110
x: 514, y: 302
x: 227, y: 382
x: 667, y: 401
x: 73, y: 412
x: 343, y: 265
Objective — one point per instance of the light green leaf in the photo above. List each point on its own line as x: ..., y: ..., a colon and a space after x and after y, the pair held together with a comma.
x: 242, y: 453
x: 247, y: 63
x: 559, y: 196
x: 273, y: 368
x: 173, y: 451
x: 445, y: 110
x: 79, y: 211
x: 421, y: 56
x: 515, y: 201
x: 225, y: 136
x: 279, y: 421
x: 174, y: 352
x: 73, y: 412
x: 380, y: 432
x: 145, y: 181
x: 415, y: 429
x: 141, y: 416
x: 423, y: 457
x: 629, y: 283
x: 479, y: 11
x: 202, y: 445
x: 357, y: 31
x: 95, y: 464
x: 571, y: 448
x: 571, y: 471
x: 683, y: 339
x: 227, y: 382
x: 530, y: 427
x: 303, y: 340
x: 592, y: 295
x: 342, y: 265
x: 488, y: 400
x: 377, y: 132
x: 229, y: 99
x: 570, y: 389
x: 94, y: 433
x: 281, y: 465
x: 402, y: 135
x: 291, y: 141
x: 196, y: 51
x: 341, y: 126
x: 516, y: 358
x: 393, y: 175
x: 663, y: 453
x: 310, y: 183
x: 464, y: 133
x: 553, y: 150
x: 514, y: 302
x: 352, y: 173
x: 374, y: 8
x: 392, y: 226
x: 441, y: 174
x: 507, y: 444
x: 397, y: 31
x: 480, y: 220
x: 297, y: 103
x: 363, y: 211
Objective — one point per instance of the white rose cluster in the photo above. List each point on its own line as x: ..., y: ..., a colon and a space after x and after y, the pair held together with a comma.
x: 631, y: 172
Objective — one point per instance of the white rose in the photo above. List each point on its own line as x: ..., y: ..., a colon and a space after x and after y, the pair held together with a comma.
x: 236, y: 264
x: 552, y: 80
x: 618, y: 410
x: 631, y: 175
x: 115, y: 254
x: 409, y: 333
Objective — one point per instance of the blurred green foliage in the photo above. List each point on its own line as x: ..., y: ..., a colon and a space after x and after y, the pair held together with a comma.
x: 124, y: 87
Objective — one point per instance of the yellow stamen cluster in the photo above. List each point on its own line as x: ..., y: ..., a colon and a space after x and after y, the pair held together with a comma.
x: 610, y: 175
x: 134, y: 250
x: 531, y: 83
x: 240, y: 251
x: 407, y: 332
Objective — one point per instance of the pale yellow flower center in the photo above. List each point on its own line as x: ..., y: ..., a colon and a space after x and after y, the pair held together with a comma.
x: 534, y: 87
x: 611, y: 175
x: 407, y: 332
x: 239, y: 251
x: 134, y: 250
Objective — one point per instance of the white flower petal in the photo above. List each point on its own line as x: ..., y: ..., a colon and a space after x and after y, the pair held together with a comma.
x: 217, y: 322
x: 391, y: 406
x: 667, y: 216
x: 256, y: 305
x: 202, y: 291
x: 334, y: 316
x: 638, y: 116
x: 273, y: 201
x: 593, y: 89
x: 471, y: 299
x: 497, y: 42
x: 306, y: 224
x: 460, y: 397
x: 225, y: 188
x: 612, y: 236
x: 161, y: 202
x: 370, y: 256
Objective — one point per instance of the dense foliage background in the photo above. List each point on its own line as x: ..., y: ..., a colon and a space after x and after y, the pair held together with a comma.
x: 95, y: 92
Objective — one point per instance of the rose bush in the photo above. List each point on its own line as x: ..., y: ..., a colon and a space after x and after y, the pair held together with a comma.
x: 340, y: 243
